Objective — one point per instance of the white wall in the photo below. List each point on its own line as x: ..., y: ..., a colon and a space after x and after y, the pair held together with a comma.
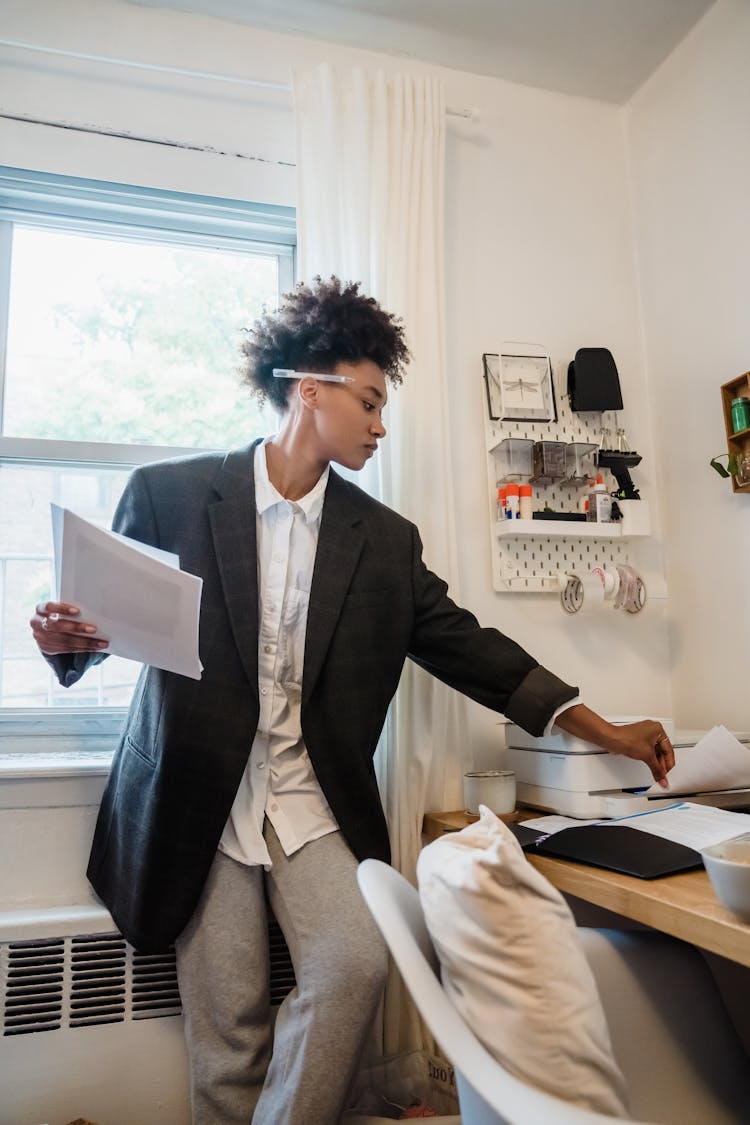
x: 689, y: 133
x: 539, y: 244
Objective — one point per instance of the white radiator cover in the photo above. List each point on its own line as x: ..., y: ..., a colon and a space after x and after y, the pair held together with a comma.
x: 91, y: 1028
x: 88, y: 1027
x: 116, y: 1074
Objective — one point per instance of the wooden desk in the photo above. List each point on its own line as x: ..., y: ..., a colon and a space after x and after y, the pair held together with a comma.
x: 684, y: 906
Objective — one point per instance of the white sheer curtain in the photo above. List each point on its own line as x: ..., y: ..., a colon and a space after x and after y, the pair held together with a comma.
x: 370, y: 208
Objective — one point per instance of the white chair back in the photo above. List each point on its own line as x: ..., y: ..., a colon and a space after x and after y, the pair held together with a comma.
x: 488, y: 1094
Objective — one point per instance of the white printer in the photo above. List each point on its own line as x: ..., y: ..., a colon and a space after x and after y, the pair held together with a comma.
x: 565, y: 775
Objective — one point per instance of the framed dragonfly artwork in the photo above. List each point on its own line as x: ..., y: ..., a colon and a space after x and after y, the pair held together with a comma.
x: 519, y: 385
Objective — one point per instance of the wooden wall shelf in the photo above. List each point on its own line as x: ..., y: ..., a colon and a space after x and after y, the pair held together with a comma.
x: 738, y: 444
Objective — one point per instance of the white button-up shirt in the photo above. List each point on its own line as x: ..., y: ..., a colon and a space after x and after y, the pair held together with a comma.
x: 279, y: 781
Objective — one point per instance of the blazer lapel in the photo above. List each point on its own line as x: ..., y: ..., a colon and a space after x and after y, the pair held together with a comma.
x: 340, y: 544
x: 235, y: 543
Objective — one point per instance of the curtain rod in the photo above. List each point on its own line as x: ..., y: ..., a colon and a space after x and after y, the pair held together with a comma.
x: 469, y: 114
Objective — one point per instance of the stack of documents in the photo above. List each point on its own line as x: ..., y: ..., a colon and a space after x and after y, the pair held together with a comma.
x: 137, y: 596
x: 695, y: 826
x: 648, y: 844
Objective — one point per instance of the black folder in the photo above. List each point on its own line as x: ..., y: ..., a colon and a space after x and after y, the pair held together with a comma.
x: 616, y: 848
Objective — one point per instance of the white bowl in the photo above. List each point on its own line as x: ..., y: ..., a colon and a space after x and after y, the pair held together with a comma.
x: 728, y: 867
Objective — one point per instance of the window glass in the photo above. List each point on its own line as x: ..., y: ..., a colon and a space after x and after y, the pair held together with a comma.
x: 130, y: 342
x: 26, y: 578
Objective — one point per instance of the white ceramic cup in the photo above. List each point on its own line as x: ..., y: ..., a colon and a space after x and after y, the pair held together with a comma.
x: 728, y: 867
x: 494, y: 788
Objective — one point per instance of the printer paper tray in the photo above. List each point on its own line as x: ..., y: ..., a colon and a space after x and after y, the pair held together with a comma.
x: 615, y: 803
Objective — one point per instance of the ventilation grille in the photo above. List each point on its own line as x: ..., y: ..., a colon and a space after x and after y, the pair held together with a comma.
x: 54, y: 983
x: 282, y: 971
x: 82, y: 981
x: 34, y: 975
x: 98, y: 968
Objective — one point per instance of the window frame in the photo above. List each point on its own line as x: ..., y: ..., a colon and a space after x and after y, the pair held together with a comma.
x: 73, y: 205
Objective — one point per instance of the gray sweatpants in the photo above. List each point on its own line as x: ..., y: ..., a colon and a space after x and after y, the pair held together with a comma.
x: 298, y: 1073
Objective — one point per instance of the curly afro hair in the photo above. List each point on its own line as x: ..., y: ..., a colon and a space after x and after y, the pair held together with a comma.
x: 316, y: 327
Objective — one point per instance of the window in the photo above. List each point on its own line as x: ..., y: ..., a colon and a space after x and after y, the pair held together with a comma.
x: 121, y: 311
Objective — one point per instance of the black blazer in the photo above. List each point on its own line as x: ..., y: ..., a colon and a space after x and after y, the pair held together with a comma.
x: 186, y: 743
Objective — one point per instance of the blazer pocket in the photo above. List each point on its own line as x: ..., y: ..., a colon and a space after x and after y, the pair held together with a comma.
x: 150, y: 759
x: 366, y: 599
x: 144, y: 723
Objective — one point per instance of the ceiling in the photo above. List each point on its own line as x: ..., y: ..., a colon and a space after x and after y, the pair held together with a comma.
x: 595, y: 48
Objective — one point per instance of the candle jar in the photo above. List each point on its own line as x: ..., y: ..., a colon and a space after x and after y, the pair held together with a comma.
x: 494, y: 788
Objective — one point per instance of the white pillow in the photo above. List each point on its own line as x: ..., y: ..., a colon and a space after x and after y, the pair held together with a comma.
x: 513, y: 967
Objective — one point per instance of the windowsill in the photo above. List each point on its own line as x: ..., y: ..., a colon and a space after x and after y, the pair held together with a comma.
x: 63, y: 779
x: 64, y: 740
x: 65, y: 763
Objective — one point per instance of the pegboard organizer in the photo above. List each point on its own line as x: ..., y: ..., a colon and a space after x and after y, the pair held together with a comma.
x: 533, y: 560
x: 530, y: 555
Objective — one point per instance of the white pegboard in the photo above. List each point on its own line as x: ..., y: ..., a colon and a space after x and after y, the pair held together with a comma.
x: 533, y: 562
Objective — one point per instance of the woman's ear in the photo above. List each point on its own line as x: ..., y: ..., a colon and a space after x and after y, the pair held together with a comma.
x: 308, y: 390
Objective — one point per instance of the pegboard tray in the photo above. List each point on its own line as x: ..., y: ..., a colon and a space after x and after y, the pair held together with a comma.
x: 561, y: 529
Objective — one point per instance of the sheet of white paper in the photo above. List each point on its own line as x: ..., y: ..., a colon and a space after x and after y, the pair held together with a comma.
x: 57, y: 536
x: 554, y: 823
x: 717, y: 761
x: 138, y: 598
x: 696, y: 826
x: 153, y: 552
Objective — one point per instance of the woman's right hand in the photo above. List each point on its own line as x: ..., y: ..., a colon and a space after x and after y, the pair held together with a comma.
x: 55, y: 632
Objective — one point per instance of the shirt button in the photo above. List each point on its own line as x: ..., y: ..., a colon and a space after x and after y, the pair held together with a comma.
x: 278, y: 558
x: 274, y: 808
x: 267, y: 648
x: 264, y: 691
x: 261, y: 765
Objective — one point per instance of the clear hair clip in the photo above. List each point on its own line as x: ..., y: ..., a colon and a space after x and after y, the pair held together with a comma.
x: 289, y: 373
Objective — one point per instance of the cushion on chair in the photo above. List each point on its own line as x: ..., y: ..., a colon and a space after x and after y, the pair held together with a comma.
x: 513, y: 966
